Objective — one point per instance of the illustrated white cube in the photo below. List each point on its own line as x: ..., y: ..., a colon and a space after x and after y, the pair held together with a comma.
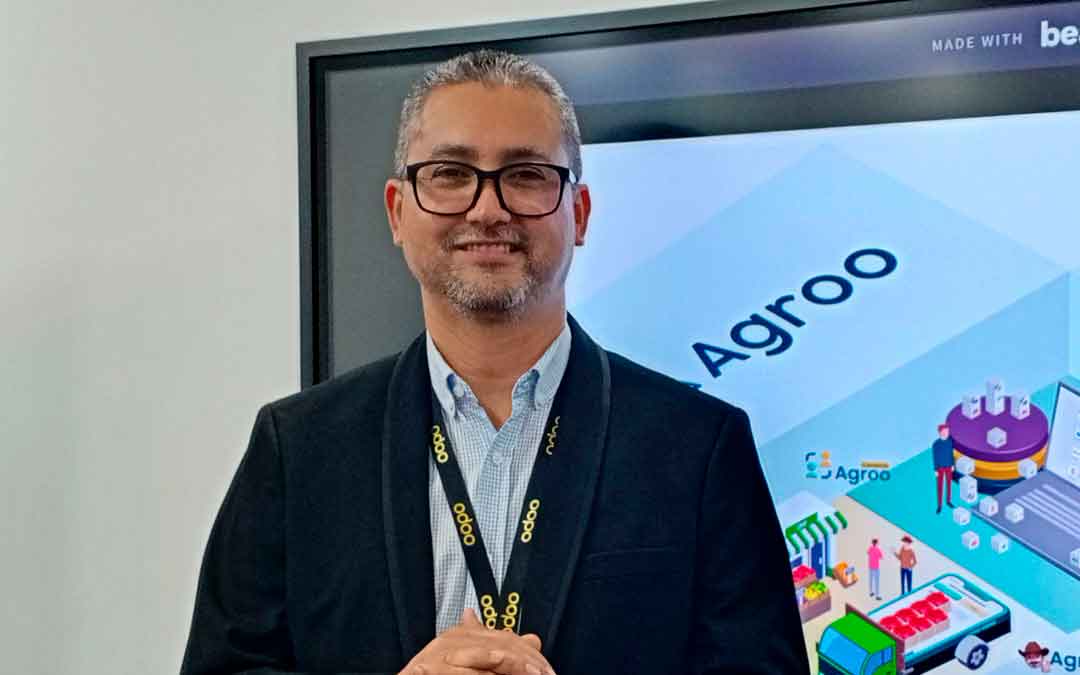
x: 1020, y: 405
x: 965, y: 466
x: 996, y: 437
x: 961, y: 516
x: 988, y: 506
x: 970, y: 539
x: 1014, y: 513
x: 995, y: 396
x: 999, y: 542
x: 971, y: 406
x: 1028, y: 468
x: 1074, y: 557
x: 969, y: 489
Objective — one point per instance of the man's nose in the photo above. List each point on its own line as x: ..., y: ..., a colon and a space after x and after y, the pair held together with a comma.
x: 487, y: 208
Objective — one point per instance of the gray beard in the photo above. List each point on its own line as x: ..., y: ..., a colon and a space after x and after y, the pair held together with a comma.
x: 477, y: 300
x: 483, y: 300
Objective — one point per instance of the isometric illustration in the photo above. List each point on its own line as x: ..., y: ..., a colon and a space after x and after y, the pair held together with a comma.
x: 897, y: 307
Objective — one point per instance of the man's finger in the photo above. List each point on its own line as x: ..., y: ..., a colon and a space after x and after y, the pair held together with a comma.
x: 469, y: 618
x: 497, y: 661
x: 533, y: 639
x: 475, y: 657
x: 447, y: 669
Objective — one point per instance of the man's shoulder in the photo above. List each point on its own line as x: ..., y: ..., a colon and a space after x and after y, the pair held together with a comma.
x: 657, y: 394
x: 360, y: 390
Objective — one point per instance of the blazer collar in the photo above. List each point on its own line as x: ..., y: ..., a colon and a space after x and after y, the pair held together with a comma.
x: 406, y: 516
x: 582, y: 432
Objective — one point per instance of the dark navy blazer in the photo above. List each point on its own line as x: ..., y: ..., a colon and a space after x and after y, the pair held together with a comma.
x: 661, y: 555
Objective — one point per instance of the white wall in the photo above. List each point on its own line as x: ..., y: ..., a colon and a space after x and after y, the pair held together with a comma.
x: 148, y: 295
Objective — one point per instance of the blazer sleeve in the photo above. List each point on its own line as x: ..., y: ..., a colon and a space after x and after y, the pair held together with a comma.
x: 746, y: 620
x: 240, y: 623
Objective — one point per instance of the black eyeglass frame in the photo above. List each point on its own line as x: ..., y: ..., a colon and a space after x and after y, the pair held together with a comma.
x: 481, y: 175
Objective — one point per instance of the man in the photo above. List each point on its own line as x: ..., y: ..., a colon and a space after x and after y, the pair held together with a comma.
x: 503, y: 471
x: 906, y: 556
x: 873, y: 563
x: 943, y: 464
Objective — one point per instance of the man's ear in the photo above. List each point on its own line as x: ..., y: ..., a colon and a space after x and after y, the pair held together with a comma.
x: 582, y: 209
x: 393, y: 195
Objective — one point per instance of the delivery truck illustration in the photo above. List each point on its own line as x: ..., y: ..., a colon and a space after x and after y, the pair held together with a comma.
x: 948, y: 619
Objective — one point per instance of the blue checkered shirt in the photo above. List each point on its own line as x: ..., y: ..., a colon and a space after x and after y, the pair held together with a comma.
x: 496, y: 464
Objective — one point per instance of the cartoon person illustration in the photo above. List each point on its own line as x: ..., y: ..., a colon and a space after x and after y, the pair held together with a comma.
x: 873, y: 563
x: 811, y: 465
x: 826, y: 463
x: 906, y: 556
x: 943, y: 464
x: 1036, y: 657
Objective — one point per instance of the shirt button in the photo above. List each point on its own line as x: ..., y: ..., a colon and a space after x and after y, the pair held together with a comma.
x: 496, y: 458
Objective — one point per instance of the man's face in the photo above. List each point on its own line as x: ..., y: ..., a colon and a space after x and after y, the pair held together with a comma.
x: 487, y: 263
x: 944, y: 433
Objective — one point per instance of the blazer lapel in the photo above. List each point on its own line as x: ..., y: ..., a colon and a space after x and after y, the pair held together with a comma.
x: 586, y: 390
x: 406, y: 514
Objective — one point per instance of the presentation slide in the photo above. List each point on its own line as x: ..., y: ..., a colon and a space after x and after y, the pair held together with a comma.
x: 897, y: 307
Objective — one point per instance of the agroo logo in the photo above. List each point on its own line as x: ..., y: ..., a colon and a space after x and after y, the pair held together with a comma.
x: 822, y: 468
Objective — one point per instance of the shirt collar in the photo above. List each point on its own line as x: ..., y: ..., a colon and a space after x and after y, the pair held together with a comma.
x: 540, y: 382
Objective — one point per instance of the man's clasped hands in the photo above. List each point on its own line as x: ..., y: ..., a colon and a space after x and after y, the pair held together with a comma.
x: 470, y: 648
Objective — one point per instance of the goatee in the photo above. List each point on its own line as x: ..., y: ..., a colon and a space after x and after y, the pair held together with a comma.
x: 489, y: 301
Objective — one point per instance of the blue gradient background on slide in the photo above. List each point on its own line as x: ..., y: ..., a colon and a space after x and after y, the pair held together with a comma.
x: 691, y: 236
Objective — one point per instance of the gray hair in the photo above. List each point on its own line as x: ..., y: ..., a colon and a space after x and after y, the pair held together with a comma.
x: 494, y: 68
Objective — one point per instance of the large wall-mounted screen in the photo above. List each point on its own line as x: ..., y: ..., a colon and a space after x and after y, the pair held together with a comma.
x: 859, y: 223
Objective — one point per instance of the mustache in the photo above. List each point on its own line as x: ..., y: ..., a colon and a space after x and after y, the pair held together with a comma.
x: 501, y: 235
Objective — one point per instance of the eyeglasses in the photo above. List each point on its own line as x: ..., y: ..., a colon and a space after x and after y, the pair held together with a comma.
x: 527, y: 189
